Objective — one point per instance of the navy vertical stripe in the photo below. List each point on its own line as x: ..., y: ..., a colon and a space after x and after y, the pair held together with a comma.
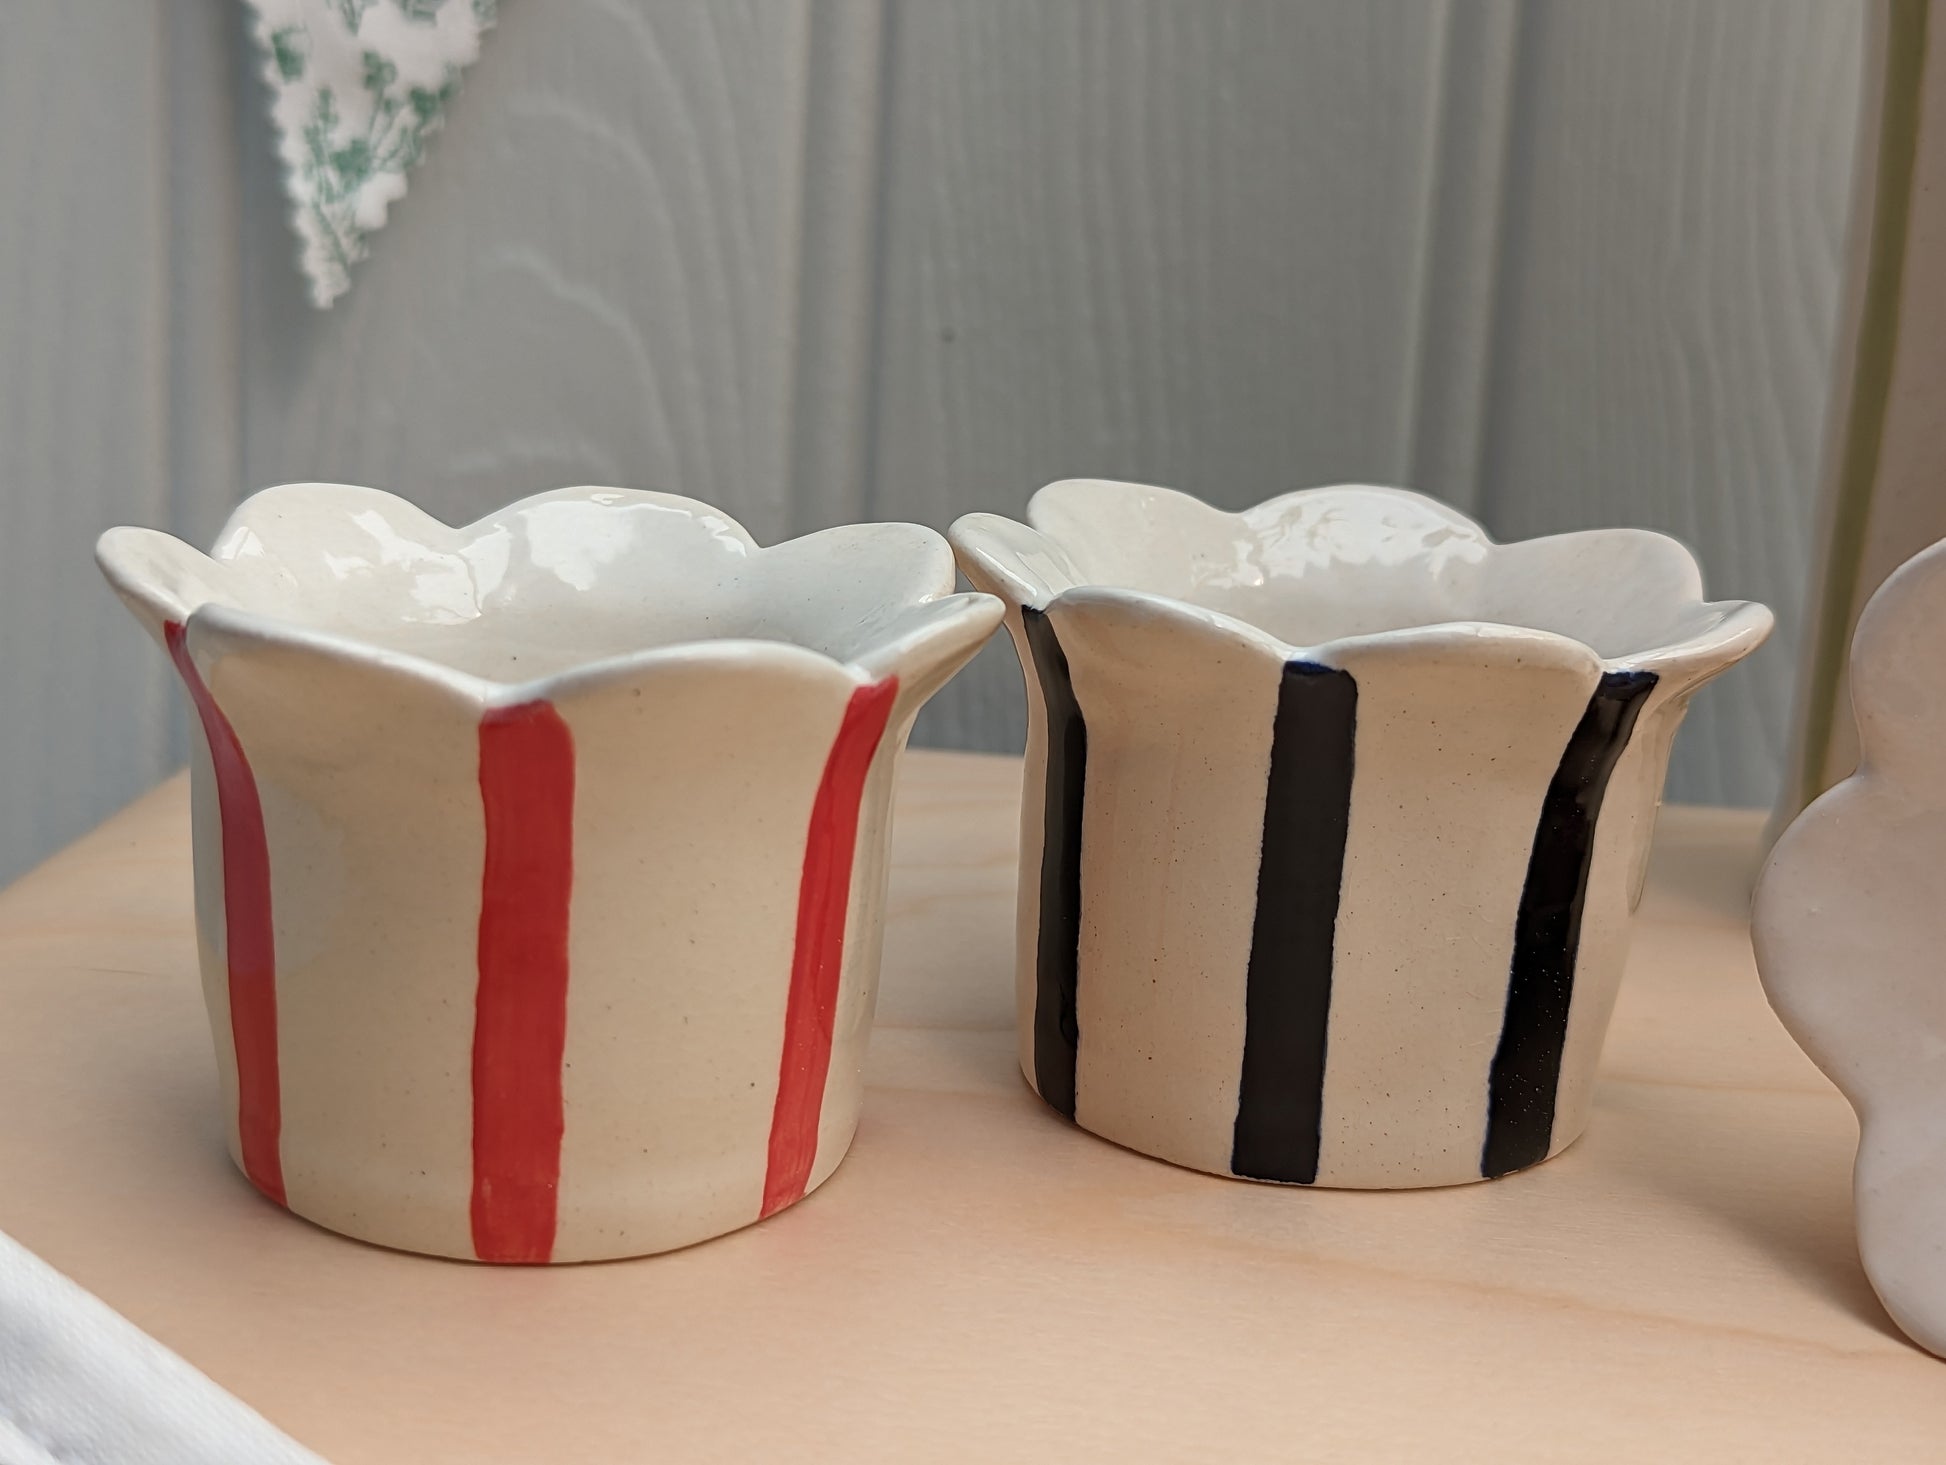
x: 1057, y: 1033
x: 1307, y: 816
x: 1547, y: 934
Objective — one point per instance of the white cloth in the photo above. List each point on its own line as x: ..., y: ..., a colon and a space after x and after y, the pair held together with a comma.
x: 82, y: 1385
x: 357, y: 87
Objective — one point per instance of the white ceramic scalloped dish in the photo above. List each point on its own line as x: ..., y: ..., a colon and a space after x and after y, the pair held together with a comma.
x: 1848, y: 930
x: 1335, y: 813
x: 540, y: 862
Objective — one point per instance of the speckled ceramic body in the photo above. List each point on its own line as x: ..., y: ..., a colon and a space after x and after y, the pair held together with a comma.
x: 539, y: 863
x: 1335, y: 813
x: 1848, y: 926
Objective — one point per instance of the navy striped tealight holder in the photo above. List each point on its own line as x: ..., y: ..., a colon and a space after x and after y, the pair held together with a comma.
x: 1335, y: 814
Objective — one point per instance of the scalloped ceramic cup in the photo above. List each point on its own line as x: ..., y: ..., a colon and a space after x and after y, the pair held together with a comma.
x: 540, y: 863
x: 1335, y: 814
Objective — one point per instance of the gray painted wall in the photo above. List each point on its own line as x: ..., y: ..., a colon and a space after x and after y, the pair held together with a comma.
x: 1563, y: 264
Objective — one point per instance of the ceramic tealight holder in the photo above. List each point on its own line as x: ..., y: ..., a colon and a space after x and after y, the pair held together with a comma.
x: 540, y: 863
x: 1335, y: 814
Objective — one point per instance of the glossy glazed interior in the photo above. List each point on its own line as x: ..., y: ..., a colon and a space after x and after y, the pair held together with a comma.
x: 556, y: 581
x: 1330, y: 563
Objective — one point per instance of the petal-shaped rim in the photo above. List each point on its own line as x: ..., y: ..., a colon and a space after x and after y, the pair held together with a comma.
x: 226, y: 630
x: 923, y: 634
x: 1037, y: 564
x: 1074, y: 506
x: 256, y: 517
x: 1133, y: 610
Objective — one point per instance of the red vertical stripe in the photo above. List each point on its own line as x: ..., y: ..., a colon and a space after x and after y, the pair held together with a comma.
x: 520, y: 1022
x: 249, y: 944
x: 822, y: 899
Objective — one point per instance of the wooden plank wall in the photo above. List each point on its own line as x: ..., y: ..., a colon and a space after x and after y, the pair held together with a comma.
x: 1674, y: 233
x: 85, y: 421
x: 1563, y: 264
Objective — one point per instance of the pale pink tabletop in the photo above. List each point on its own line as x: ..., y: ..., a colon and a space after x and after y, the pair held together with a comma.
x: 981, y: 1281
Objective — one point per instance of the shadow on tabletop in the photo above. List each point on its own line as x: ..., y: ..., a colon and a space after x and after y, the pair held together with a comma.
x: 1793, y: 1209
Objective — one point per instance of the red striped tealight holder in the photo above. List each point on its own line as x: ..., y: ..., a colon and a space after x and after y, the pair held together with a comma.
x: 540, y: 863
x: 1335, y: 813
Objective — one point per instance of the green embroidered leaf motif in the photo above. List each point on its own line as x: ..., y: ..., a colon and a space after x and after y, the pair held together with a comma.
x: 290, y: 47
x: 379, y: 73
x: 352, y: 12
x: 346, y: 154
x: 317, y: 138
x: 329, y: 211
x: 352, y: 163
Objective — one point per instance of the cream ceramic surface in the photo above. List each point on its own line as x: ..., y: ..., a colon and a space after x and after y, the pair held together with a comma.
x: 1335, y: 813
x: 1848, y: 930
x: 540, y: 862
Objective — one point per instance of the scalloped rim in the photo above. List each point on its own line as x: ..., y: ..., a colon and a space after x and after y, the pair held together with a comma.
x: 949, y: 617
x: 1742, y: 627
